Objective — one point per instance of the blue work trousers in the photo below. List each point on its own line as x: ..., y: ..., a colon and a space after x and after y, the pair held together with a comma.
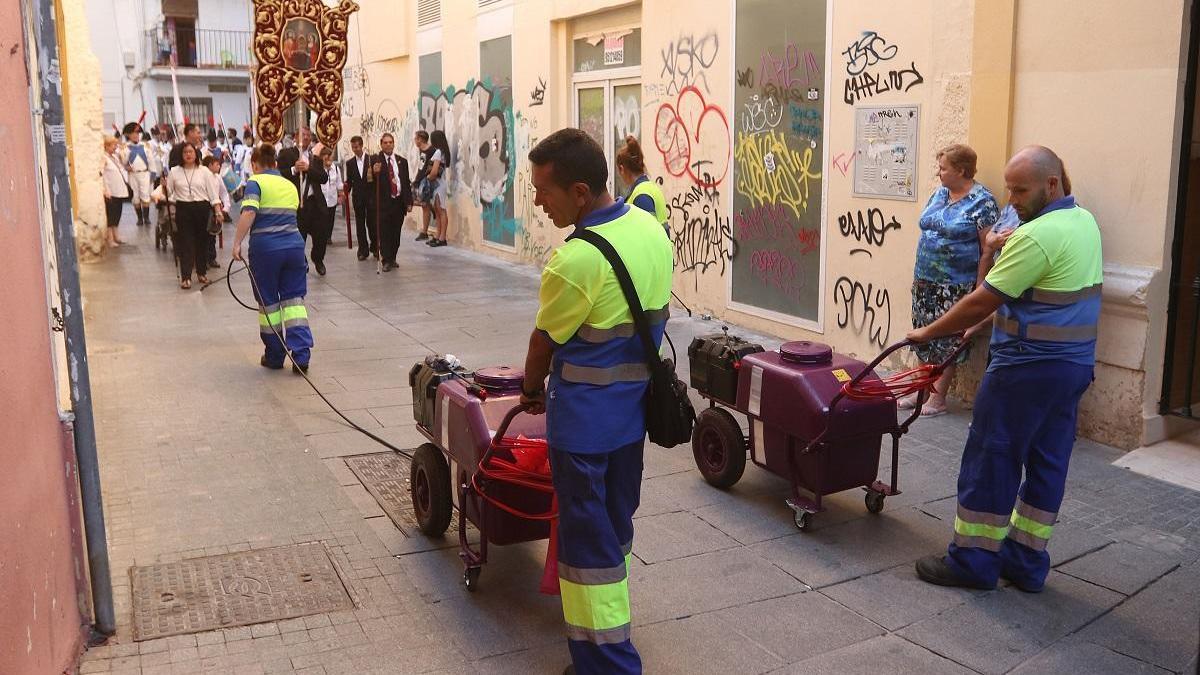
x: 1024, y: 420
x: 280, y: 284
x: 597, y: 496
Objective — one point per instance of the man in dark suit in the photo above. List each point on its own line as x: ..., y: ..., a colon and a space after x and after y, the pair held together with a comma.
x: 359, y: 185
x: 393, y: 189
x: 302, y: 165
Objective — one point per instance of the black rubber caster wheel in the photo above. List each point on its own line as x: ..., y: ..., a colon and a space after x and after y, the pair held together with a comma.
x: 471, y: 578
x: 803, y: 520
x: 429, y: 481
x: 719, y: 448
x: 874, y: 501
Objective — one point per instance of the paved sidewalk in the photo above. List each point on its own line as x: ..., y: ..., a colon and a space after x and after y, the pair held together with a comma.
x: 203, y: 452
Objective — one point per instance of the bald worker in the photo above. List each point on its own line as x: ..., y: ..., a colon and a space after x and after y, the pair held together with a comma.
x: 1045, y: 293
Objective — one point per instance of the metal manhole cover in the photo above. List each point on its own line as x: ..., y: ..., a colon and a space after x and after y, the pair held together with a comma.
x: 235, y: 589
x: 385, y: 475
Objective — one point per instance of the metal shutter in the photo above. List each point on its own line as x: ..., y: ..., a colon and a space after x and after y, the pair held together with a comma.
x: 429, y: 12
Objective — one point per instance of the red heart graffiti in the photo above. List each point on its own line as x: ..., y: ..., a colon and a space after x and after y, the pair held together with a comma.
x: 693, y: 121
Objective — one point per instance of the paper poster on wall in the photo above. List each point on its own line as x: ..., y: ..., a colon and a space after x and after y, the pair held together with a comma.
x: 614, y: 50
x: 886, y: 153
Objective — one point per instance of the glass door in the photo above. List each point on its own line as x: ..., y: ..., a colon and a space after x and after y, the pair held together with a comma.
x: 608, y: 111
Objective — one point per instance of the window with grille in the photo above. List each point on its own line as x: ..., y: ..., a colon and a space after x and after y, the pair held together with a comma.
x: 429, y: 12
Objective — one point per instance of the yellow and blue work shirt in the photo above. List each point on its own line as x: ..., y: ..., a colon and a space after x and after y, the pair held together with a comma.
x: 648, y: 196
x: 274, y: 201
x: 1050, y: 274
x: 598, y: 379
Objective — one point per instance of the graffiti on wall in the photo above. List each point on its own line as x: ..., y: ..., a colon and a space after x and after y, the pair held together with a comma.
x: 538, y: 95
x: 773, y: 170
x: 702, y: 234
x: 868, y: 229
x: 864, y: 309
x: 867, y: 71
x: 685, y: 61
x: 692, y: 136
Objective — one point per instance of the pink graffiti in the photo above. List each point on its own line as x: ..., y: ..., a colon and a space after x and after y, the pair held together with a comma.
x: 781, y: 72
x: 680, y: 130
x: 778, y: 270
x: 763, y: 223
x: 810, y: 240
x: 843, y: 161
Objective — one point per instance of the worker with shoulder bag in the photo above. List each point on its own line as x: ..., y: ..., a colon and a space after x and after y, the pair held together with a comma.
x: 603, y: 312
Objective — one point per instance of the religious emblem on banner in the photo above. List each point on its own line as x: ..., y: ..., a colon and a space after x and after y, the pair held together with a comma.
x: 301, y: 48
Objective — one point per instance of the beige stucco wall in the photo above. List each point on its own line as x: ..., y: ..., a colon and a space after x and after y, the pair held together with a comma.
x: 1076, y: 90
x: 85, y: 152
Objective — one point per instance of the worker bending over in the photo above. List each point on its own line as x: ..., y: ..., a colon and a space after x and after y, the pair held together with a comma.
x: 1045, y: 292
x: 595, y: 403
x: 277, y: 263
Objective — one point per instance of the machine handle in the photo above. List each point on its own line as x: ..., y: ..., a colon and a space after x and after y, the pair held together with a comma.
x: 508, y: 418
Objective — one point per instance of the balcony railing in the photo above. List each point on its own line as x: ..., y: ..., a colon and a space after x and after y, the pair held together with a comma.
x: 199, y: 48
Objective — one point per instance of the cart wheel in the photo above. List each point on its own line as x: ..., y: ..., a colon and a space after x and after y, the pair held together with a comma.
x: 803, y: 520
x: 471, y: 578
x: 429, y: 481
x: 874, y: 501
x: 719, y: 447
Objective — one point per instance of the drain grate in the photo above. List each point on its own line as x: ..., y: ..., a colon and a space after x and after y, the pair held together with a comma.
x: 235, y: 589
x: 385, y: 475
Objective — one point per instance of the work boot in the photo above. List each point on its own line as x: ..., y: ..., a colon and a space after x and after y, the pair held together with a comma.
x: 934, y: 570
x: 299, y: 368
x: 267, y: 364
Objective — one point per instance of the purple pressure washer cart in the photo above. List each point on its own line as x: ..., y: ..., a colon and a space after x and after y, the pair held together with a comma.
x: 803, y: 427
x: 458, y: 411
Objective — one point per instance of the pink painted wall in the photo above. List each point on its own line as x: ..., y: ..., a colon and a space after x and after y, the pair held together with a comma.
x: 42, y: 567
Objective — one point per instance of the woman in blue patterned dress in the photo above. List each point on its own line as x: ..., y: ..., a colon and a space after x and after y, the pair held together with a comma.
x: 954, y: 227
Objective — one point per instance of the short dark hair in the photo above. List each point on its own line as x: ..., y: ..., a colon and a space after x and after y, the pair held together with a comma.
x: 210, y: 160
x: 264, y: 156
x: 422, y: 134
x: 356, y: 139
x: 575, y: 157
x: 187, y: 128
x: 386, y: 134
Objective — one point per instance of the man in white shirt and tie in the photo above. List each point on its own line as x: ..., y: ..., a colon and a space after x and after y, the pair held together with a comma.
x: 393, y: 189
x: 360, y: 187
x: 301, y: 164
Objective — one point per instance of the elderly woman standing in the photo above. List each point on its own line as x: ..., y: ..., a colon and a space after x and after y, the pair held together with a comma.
x: 954, y: 228
x: 116, y: 189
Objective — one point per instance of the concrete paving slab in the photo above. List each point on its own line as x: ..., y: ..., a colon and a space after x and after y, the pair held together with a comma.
x: 687, y: 586
x: 393, y: 415
x: 895, y: 598
x: 1122, y: 567
x: 799, y: 626
x: 998, y: 631
x: 1084, y: 657
x: 676, y: 535
x: 1158, y: 625
x: 751, y: 519
x: 865, y: 546
x: 883, y: 654
x: 700, y: 645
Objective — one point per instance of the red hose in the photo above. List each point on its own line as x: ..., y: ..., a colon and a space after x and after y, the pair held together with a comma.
x: 505, y: 471
x: 897, y: 385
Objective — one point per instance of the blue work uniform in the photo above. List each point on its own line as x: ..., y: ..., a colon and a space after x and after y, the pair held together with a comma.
x: 1043, y: 353
x: 596, y: 423
x: 277, y: 262
x: 648, y: 196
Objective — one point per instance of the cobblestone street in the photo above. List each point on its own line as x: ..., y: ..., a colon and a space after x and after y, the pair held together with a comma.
x: 203, y: 453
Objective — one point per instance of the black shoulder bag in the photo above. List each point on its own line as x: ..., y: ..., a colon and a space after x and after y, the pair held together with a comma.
x: 669, y: 411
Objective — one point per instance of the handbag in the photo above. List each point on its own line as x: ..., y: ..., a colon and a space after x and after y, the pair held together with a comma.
x: 669, y: 411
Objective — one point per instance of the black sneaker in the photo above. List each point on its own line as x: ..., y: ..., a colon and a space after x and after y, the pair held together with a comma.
x: 320, y: 268
x: 267, y: 364
x: 423, y: 236
x: 298, y: 368
x: 437, y: 242
x: 934, y: 570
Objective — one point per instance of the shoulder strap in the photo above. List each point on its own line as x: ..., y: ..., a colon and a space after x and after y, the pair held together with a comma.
x: 635, y: 304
